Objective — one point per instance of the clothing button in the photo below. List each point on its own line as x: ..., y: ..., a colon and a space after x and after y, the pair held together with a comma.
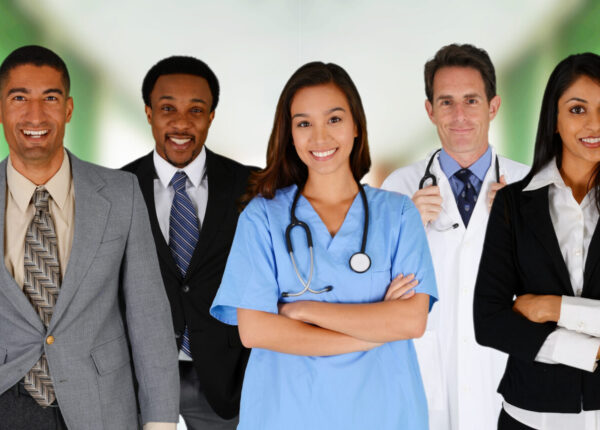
x: 578, y: 252
x: 185, y: 288
x: 50, y: 340
x: 580, y: 326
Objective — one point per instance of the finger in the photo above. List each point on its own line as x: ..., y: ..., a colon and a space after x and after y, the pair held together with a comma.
x: 431, y: 190
x: 403, y: 284
x: 400, y: 292
x: 502, y: 180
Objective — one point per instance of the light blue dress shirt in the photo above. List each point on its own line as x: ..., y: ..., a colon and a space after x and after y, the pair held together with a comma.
x: 478, y: 171
x: 376, y: 389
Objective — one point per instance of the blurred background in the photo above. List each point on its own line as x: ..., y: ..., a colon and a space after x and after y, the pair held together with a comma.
x: 255, y: 46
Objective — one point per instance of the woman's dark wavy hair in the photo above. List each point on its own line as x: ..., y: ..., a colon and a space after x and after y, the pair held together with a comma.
x: 284, y: 167
x: 548, y: 144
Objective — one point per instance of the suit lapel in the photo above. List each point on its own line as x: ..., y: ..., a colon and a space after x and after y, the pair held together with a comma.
x: 91, y: 216
x: 220, y: 185
x: 146, y: 174
x: 536, y: 216
x: 8, y: 286
x: 592, y: 259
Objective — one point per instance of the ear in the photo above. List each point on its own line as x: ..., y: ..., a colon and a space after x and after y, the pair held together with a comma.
x: 355, y: 132
x: 148, y: 110
x: 429, y: 109
x: 211, y: 116
x: 69, y: 108
x: 494, y: 106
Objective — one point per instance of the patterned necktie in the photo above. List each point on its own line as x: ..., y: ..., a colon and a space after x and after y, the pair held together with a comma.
x: 184, y: 229
x: 41, y: 285
x: 467, y: 197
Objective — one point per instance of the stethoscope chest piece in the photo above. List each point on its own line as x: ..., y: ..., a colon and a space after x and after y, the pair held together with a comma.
x: 360, y: 262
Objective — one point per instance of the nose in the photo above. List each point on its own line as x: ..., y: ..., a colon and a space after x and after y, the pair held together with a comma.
x: 459, y: 112
x: 320, y: 133
x: 594, y: 121
x: 34, y: 113
x: 180, y: 121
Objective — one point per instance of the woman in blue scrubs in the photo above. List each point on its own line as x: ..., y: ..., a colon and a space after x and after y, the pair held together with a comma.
x: 339, y: 355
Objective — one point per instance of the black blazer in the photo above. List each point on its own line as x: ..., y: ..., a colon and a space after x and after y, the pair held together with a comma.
x: 219, y: 357
x: 521, y: 255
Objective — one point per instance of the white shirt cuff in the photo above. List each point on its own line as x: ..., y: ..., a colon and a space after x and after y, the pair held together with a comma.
x: 160, y: 426
x: 570, y: 348
x: 580, y: 315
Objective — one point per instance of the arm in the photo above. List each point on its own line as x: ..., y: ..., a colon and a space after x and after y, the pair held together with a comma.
x: 384, y: 321
x: 568, y: 344
x: 149, y: 324
x: 282, y: 334
x: 496, y: 324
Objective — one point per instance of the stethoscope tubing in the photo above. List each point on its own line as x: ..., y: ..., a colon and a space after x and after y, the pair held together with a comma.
x: 430, y: 176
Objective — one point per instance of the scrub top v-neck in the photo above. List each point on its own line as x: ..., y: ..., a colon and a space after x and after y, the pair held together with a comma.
x: 380, y: 388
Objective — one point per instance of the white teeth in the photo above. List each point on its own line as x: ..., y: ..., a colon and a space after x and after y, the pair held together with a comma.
x: 180, y: 141
x: 323, y: 153
x: 591, y: 140
x: 35, y: 132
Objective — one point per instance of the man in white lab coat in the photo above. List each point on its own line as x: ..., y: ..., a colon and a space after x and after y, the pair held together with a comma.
x: 461, y: 180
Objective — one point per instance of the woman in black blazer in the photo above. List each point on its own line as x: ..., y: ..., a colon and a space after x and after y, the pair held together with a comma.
x: 542, y: 246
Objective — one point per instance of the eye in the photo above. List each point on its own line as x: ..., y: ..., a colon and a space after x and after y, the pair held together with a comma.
x: 19, y: 98
x: 445, y: 103
x: 196, y: 110
x: 51, y: 98
x: 303, y: 124
x: 577, y: 110
x: 167, y: 108
x: 334, y: 119
x: 472, y: 101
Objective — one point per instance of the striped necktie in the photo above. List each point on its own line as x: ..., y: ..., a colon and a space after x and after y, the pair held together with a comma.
x: 184, y: 229
x: 41, y: 285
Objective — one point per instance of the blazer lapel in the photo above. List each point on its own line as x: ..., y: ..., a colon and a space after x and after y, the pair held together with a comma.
x: 220, y: 186
x: 91, y: 216
x: 8, y: 286
x: 146, y: 175
x: 593, y: 256
x: 536, y: 216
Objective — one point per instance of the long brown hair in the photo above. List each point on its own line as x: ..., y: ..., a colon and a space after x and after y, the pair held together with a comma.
x: 284, y: 167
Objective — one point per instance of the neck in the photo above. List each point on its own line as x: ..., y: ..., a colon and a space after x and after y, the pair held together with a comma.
x: 578, y: 178
x: 330, y: 188
x: 38, y: 172
x: 466, y: 159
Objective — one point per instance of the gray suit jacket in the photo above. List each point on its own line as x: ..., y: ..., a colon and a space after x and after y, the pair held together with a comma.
x: 112, y: 265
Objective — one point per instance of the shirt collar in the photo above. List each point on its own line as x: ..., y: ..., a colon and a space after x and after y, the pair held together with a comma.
x: 22, y: 189
x: 479, y: 168
x: 548, y: 175
x: 195, y: 171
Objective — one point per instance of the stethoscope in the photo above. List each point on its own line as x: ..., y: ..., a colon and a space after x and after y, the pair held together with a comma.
x: 428, y: 176
x: 359, y: 261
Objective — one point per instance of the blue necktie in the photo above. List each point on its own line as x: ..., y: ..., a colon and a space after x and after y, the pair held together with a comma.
x: 183, y: 235
x: 467, y: 197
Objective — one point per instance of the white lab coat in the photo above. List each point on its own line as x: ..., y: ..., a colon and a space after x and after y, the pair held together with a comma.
x: 460, y: 376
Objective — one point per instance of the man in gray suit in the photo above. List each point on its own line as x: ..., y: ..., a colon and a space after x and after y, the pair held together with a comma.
x: 80, y: 291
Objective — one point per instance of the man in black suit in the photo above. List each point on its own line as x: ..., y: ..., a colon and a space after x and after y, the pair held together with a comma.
x: 192, y: 194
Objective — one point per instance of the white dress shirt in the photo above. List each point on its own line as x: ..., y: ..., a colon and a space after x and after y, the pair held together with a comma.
x: 196, y: 187
x: 576, y: 340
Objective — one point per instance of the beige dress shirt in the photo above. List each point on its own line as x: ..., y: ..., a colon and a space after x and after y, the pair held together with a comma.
x: 19, y: 213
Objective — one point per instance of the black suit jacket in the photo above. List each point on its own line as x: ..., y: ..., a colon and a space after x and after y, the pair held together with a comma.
x: 219, y: 357
x: 521, y: 255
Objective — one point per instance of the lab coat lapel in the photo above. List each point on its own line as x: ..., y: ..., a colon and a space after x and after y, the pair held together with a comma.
x: 535, y: 211
x: 91, y: 215
x: 8, y: 287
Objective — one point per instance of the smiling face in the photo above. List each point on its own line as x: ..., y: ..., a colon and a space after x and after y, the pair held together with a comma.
x: 461, y: 112
x: 180, y: 116
x: 34, y: 110
x: 578, y: 123
x: 323, y: 129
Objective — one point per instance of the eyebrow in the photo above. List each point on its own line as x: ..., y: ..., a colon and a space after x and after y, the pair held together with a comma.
x: 192, y: 100
x: 466, y: 96
x: 26, y: 91
x: 577, y: 99
x: 327, y: 112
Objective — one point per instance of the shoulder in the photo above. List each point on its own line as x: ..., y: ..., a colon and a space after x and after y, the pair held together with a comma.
x: 225, y: 162
x: 515, y: 170
x: 135, y: 165
x: 405, y: 179
x: 389, y: 202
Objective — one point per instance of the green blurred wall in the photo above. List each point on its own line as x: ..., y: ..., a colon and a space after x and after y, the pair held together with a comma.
x: 522, y: 84
x: 18, y: 30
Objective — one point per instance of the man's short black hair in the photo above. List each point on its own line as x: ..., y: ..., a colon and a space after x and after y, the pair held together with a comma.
x: 461, y: 56
x: 38, y: 56
x: 180, y: 65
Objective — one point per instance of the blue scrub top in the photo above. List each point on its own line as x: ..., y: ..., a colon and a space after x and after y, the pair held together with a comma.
x: 376, y: 389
